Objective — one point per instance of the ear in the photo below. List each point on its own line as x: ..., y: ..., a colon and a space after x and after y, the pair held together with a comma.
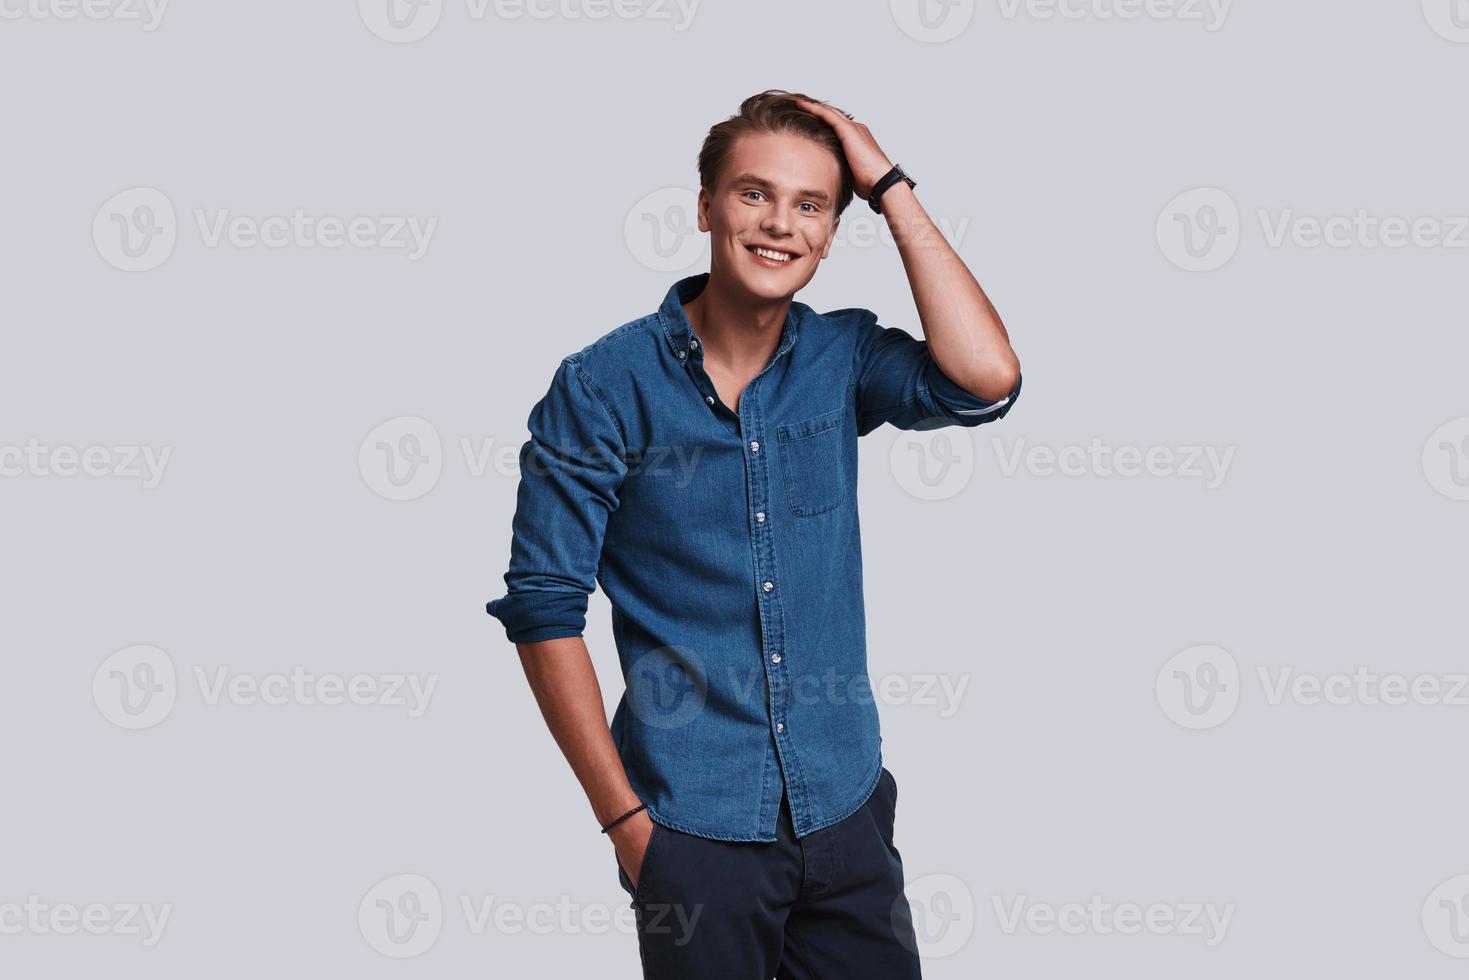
x: 702, y: 208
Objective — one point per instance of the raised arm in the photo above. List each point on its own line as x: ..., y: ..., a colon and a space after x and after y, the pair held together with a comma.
x: 963, y: 330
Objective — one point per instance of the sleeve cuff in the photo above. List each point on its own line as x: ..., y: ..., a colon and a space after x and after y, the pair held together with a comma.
x: 529, y: 617
x: 962, y: 405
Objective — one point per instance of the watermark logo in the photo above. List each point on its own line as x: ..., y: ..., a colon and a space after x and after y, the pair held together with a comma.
x: 1446, y: 459
x: 940, y: 908
x: 401, y: 21
x: 667, y: 687
x: 933, y: 464
x: 1446, y: 917
x: 135, y: 230
x: 401, y: 916
x: 1199, y: 687
x: 1199, y: 230
x: 136, y: 687
x: 662, y: 230
x: 402, y: 458
x: 932, y: 21
x: 1448, y: 18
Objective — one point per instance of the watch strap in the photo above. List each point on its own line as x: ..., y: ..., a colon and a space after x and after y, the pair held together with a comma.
x: 887, y: 180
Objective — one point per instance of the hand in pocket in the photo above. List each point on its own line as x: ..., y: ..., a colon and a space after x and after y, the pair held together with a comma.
x: 631, y: 838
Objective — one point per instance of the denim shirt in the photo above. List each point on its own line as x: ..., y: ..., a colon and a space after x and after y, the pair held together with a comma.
x: 727, y: 544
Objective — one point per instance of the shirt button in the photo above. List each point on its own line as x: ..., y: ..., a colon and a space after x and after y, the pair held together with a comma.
x: 775, y: 658
x: 693, y: 343
x: 780, y: 726
x: 754, y: 447
x: 681, y: 355
x: 769, y: 585
x: 709, y: 399
x: 760, y: 517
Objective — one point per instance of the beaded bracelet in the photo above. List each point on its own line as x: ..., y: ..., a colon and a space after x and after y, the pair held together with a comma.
x: 641, y: 806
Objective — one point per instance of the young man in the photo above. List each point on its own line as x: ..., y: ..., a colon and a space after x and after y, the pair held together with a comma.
x: 700, y: 464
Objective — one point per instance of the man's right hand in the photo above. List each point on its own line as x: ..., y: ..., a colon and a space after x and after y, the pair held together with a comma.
x: 630, y: 838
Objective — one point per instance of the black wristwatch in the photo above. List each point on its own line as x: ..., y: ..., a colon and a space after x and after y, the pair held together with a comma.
x: 888, y: 179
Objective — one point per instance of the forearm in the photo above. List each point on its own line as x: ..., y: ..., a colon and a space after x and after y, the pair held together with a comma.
x: 963, y: 330
x: 565, y: 685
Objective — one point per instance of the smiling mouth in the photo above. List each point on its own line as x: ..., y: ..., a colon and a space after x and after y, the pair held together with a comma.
x: 770, y: 254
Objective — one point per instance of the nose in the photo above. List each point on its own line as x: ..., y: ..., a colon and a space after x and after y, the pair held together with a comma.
x: 776, y: 223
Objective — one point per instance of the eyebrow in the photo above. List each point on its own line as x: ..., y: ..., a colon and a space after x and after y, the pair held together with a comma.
x: 817, y: 195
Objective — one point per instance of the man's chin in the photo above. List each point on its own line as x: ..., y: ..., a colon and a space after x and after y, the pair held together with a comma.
x: 772, y: 287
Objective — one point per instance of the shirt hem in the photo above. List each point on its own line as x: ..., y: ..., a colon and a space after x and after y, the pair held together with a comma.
x: 861, y: 802
x: 659, y: 818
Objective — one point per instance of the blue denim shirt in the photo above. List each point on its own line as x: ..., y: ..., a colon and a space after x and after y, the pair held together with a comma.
x: 727, y: 543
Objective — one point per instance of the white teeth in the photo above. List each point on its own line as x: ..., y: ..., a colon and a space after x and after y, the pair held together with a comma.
x: 777, y: 256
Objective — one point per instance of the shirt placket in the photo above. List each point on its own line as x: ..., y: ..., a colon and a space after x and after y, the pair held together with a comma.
x: 769, y: 594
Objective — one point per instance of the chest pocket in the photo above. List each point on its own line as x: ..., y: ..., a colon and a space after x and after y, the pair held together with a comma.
x: 811, y: 459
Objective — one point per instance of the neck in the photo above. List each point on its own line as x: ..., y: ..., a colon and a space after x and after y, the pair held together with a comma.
x: 739, y: 331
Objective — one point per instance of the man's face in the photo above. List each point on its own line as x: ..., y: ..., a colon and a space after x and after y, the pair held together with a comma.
x: 777, y: 192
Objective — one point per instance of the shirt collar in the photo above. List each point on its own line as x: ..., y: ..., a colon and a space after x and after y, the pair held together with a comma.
x: 680, y: 333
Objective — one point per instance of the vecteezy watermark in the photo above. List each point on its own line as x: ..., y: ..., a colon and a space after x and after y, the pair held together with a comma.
x: 933, y: 463
x: 403, y: 459
x: 667, y: 686
x: 1362, y: 686
x: 938, y: 463
x: 123, y: 461
x: 1208, y: 464
x: 148, y: 14
x: 137, y: 687
x: 406, y: 21
x: 1102, y: 917
x: 1446, y: 917
x: 1200, y: 230
x: 932, y: 21
x: 402, y: 916
x: 1200, y: 687
x: 942, y: 692
x: 36, y: 917
x: 1446, y: 459
x: 939, y: 911
x: 1448, y: 18
x: 1210, y: 13
x: 661, y: 230
x: 137, y: 230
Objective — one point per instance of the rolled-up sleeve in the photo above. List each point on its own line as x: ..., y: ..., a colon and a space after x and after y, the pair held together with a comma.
x: 897, y: 380
x: 571, y: 470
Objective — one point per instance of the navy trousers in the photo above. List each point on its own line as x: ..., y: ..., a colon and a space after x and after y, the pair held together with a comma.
x: 829, y: 906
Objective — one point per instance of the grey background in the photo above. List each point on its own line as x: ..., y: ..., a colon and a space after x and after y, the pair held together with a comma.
x: 1056, y: 599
